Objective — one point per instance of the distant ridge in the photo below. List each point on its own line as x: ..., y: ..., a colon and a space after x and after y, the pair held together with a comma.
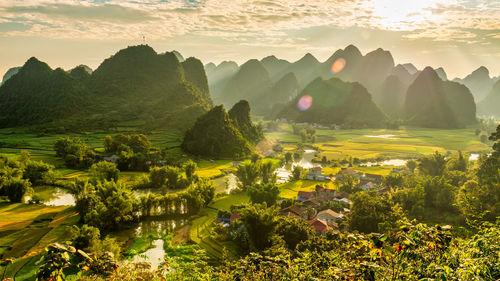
x: 387, y: 83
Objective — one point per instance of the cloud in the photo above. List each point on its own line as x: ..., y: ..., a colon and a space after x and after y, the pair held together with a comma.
x: 269, y: 24
x: 105, y: 12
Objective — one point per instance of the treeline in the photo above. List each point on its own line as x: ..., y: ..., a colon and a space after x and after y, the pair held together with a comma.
x: 128, y: 152
x: 109, y: 204
x: 19, y: 176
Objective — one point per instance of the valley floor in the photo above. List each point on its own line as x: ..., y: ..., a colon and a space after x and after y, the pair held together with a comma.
x: 25, y: 230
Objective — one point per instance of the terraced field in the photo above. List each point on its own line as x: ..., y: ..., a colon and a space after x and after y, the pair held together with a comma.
x: 25, y: 230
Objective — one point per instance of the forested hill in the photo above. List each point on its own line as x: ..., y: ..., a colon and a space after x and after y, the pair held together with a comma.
x: 38, y: 94
x: 334, y: 102
x: 431, y: 102
x: 134, y: 84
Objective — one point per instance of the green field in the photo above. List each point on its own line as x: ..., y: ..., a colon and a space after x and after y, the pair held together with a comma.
x: 25, y: 230
x: 404, y: 143
x: 21, y: 138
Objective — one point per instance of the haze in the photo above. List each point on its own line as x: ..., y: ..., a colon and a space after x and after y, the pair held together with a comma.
x: 455, y: 34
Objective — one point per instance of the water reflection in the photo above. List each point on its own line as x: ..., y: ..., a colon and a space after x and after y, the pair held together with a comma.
x: 53, y: 196
x: 390, y: 162
x: 154, y: 256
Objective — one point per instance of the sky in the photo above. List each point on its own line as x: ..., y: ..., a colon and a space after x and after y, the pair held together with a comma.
x: 458, y: 35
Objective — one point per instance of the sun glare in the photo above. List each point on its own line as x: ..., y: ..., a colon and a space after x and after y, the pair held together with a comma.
x: 404, y: 15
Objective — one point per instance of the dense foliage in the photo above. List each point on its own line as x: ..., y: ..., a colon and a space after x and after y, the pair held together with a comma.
x: 17, y: 177
x: 215, y: 135
x: 240, y: 114
x: 75, y: 152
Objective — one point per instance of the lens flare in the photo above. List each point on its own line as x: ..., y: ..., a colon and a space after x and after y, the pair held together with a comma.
x: 305, y: 102
x: 338, y: 65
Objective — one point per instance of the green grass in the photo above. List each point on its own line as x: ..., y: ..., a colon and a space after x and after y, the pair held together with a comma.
x: 224, y: 203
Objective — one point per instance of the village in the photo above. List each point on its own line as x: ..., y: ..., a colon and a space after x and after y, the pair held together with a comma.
x: 324, y: 208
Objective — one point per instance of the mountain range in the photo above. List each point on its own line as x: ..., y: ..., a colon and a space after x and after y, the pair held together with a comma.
x: 272, y: 84
x: 168, y: 90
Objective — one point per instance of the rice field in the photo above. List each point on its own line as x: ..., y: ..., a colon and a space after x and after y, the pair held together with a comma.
x: 368, y: 144
x: 25, y: 231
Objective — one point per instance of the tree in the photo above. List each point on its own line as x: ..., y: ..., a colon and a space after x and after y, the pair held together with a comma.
x: 259, y: 223
x: 139, y: 143
x: 348, y: 183
x: 472, y: 200
x: 104, y: 171
x: 368, y: 210
x: 483, y: 138
x: 288, y: 157
x: 108, y: 205
x: 411, y: 164
x: 168, y: 176
x: 458, y: 162
x: 489, y: 170
x: 393, y: 181
x: 294, y: 230
x: 247, y: 174
x: 38, y: 173
x: 265, y: 192
x: 190, y: 169
x: 297, y: 173
x: 15, y: 188
x: 206, y: 188
x: 411, y: 199
x: 75, y: 152
x: 433, y: 165
x: 84, y: 237
x: 267, y: 172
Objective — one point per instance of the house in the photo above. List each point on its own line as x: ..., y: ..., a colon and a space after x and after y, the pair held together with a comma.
x: 349, y: 171
x: 294, y: 210
x: 315, y: 174
x: 323, y: 198
x: 313, y: 203
x: 319, y: 225
x: 372, y: 177
x: 329, y: 216
x: 329, y: 193
x: 344, y: 200
x: 304, y: 195
x: 367, y: 185
x: 342, y: 194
